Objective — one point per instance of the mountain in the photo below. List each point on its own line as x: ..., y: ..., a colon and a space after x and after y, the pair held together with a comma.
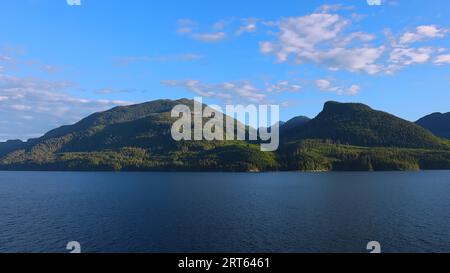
x: 358, y: 124
x: 138, y: 138
x: 293, y: 123
x: 9, y: 146
x: 437, y: 123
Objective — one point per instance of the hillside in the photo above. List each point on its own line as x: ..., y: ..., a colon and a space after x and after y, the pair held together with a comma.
x: 9, y: 146
x: 137, y: 138
x: 360, y: 125
x: 437, y: 123
x: 134, y: 137
x: 293, y: 123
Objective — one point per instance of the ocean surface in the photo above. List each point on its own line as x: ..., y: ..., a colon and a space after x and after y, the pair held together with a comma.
x: 225, y: 212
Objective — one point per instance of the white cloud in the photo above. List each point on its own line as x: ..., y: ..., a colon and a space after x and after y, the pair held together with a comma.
x: 442, y: 59
x: 241, y: 92
x: 403, y: 52
x: 249, y: 25
x: 282, y: 86
x: 320, y: 38
x: 209, y: 37
x: 423, y: 33
x: 227, y: 91
x: 189, y: 27
x: 35, y: 105
x: 323, y: 39
x: 327, y: 86
x: 408, y: 56
x: 220, y: 30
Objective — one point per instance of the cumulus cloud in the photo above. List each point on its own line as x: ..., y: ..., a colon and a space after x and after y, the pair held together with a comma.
x: 321, y: 38
x: 423, y: 33
x: 227, y: 91
x: 328, y: 39
x: 327, y: 86
x: 404, y: 51
x: 235, y: 92
x: 29, y: 107
x: 408, y: 56
x: 442, y: 59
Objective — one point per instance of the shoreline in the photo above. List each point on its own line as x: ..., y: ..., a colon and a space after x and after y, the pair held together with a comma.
x: 212, y: 172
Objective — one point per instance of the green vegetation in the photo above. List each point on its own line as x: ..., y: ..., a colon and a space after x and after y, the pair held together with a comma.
x: 325, y: 155
x: 191, y: 156
x: 343, y: 137
x: 437, y: 123
x: 358, y: 124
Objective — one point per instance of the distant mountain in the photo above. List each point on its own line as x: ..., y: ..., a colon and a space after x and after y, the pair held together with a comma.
x: 9, y: 146
x: 293, y: 123
x: 285, y: 126
x: 437, y: 123
x: 137, y: 138
x: 358, y: 124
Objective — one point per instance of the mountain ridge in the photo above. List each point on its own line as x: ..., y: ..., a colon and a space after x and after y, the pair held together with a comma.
x: 437, y: 123
x: 344, y: 136
x: 358, y: 124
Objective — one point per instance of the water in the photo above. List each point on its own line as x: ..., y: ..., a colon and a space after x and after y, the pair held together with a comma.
x: 225, y: 212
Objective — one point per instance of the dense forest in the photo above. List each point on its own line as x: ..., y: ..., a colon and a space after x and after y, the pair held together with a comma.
x: 343, y: 137
x: 437, y: 123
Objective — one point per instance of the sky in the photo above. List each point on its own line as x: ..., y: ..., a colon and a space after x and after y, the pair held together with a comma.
x: 61, y: 60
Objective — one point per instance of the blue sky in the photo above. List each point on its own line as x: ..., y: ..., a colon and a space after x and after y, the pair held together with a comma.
x: 60, y: 62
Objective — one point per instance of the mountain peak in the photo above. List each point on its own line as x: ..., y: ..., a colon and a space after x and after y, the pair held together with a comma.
x: 341, y: 106
x: 437, y: 123
x: 294, y: 124
x: 358, y: 124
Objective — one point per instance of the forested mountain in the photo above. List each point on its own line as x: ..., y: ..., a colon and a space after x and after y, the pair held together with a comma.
x: 360, y: 125
x: 293, y: 123
x: 137, y: 137
x: 437, y: 123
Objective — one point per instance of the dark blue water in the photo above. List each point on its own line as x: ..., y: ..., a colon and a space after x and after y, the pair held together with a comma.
x: 225, y: 212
